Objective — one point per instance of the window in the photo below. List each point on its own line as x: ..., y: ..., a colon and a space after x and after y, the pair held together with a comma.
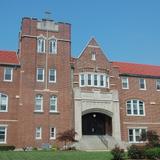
x: 135, y: 107
x: 158, y: 84
x: 89, y: 79
x: 142, y: 84
x: 38, y: 133
x: 3, y: 103
x: 82, y: 79
x: 134, y: 134
x: 93, y: 56
x: 41, y: 45
x: 53, y: 104
x: 52, y: 75
x: 52, y: 133
x: 101, y: 80
x: 94, y: 80
x: 39, y: 103
x: 3, y: 134
x: 8, y: 74
x: 40, y: 74
x: 125, y: 83
x: 53, y: 46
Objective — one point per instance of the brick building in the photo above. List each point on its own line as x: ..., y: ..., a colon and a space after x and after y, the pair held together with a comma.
x: 45, y: 91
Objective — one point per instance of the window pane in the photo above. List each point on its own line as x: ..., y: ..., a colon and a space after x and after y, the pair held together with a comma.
x: 8, y: 74
x: 142, y: 83
x: 2, y: 134
x: 129, y: 111
x: 135, y: 107
x: 95, y: 80
x: 40, y: 72
x: 3, y: 102
x: 101, y: 80
x: 82, y: 79
x: 38, y: 103
x: 158, y: 84
x: 89, y: 79
x: 125, y: 83
x: 41, y: 45
x: 53, y: 103
x: 52, y: 46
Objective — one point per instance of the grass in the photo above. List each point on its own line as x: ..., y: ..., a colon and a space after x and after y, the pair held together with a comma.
x: 50, y: 155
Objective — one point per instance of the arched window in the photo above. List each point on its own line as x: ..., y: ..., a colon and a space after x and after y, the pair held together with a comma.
x: 40, y: 45
x: 3, y: 103
x: 52, y: 46
x: 135, y: 107
x: 39, y: 103
x: 53, y: 104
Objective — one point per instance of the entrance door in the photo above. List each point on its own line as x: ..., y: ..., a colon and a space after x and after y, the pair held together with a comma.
x: 93, y: 124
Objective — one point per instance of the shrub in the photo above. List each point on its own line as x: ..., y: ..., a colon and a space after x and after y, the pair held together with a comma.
x: 153, y: 153
x: 67, y: 136
x: 7, y: 148
x: 118, y: 154
x: 136, y: 152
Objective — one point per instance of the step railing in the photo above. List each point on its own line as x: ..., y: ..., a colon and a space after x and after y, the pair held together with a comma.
x: 103, y: 140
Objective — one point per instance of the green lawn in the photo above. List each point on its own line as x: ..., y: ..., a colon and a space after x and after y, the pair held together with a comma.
x: 50, y: 155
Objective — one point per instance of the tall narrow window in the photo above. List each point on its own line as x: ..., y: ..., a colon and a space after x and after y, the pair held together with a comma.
x: 38, y: 134
x: 142, y: 84
x: 3, y: 134
x: 52, y: 133
x: 95, y: 80
x: 89, y: 79
x: 53, y: 104
x: 93, y: 56
x: 158, y: 84
x: 52, y: 75
x: 40, y: 74
x: 101, y: 80
x: 125, y: 83
x: 8, y: 74
x: 3, y: 103
x: 39, y: 103
x: 40, y: 45
x: 82, y: 79
x: 107, y: 81
x: 53, y: 46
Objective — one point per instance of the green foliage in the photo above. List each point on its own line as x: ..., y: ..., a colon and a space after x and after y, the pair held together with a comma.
x: 7, y: 148
x: 136, y: 152
x: 118, y: 154
x: 153, y: 153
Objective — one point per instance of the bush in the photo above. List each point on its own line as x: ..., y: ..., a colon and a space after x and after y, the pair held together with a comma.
x: 118, y: 154
x: 7, y: 148
x: 136, y: 152
x: 153, y: 153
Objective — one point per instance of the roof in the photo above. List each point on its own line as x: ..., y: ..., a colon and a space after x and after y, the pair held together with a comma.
x: 137, y: 69
x: 9, y: 58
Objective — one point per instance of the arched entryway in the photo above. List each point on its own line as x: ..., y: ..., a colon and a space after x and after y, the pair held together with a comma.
x: 96, y: 123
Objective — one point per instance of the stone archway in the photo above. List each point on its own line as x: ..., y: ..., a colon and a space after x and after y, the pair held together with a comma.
x: 96, y: 123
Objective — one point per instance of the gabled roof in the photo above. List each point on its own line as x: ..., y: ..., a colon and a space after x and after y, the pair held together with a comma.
x: 137, y: 69
x: 9, y: 58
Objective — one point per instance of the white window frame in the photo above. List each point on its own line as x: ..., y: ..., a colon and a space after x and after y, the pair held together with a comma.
x: 39, y: 47
x: 8, y: 80
x: 52, y: 137
x: 138, y: 108
x: 54, y: 49
x: 50, y: 81
x: 144, y: 83
x: 38, y: 132
x: 38, y: 97
x: 55, y: 98
x: 5, y: 134
x: 85, y: 74
x: 134, y: 134
x: 157, y: 84
x: 125, y: 80
x: 38, y: 74
x: 6, y: 102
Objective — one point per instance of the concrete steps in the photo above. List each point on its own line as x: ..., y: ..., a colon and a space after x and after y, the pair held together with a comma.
x: 96, y: 142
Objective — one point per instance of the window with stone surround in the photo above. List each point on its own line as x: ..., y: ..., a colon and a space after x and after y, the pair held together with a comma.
x: 52, y: 46
x: 41, y: 45
x: 53, y: 104
x: 38, y: 103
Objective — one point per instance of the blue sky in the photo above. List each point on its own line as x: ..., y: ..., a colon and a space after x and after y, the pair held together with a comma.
x: 127, y: 30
